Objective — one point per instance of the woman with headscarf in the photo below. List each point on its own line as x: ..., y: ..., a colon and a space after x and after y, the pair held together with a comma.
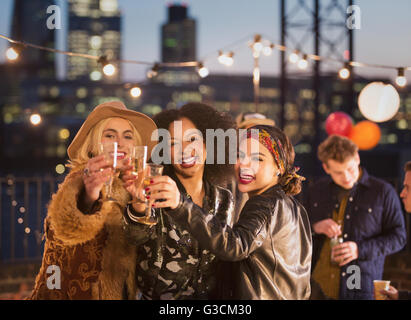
x: 270, y: 245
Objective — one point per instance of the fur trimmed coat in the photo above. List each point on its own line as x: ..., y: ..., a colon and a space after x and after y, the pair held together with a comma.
x: 86, y: 256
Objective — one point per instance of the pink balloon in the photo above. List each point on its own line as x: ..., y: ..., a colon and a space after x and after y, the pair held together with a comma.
x: 338, y: 123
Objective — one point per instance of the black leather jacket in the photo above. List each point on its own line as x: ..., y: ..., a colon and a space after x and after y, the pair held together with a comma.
x: 171, y: 264
x: 271, y: 244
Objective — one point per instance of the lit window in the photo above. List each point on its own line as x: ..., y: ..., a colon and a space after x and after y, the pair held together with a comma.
x: 81, y: 108
x: 81, y: 93
x: 108, y: 5
x: 95, y: 75
x: 170, y: 42
x: 54, y: 92
x: 95, y: 42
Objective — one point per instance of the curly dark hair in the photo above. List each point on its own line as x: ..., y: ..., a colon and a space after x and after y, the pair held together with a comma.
x: 204, y: 117
x: 290, y: 183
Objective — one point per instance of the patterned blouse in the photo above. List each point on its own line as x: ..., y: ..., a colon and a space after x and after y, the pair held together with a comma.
x: 170, y: 262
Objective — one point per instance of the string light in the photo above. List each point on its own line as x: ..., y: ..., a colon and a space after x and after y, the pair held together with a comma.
x: 257, y: 45
x: 202, y: 71
x: 303, y: 63
x: 108, y: 68
x: 344, y: 72
x: 13, y: 53
x: 153, y: 72
x: 268, y: 50
x: 293, y: 58
x: 135, y: 92
x: 401, y: 80
x: 35, y: 119
x: 226, y: 58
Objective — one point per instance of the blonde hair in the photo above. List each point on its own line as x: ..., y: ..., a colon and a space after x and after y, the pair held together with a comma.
x: 90, y: 146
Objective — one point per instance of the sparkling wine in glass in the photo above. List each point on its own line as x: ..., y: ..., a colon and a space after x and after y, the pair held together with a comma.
x: 110, y: 152
x: 153, y: 170
x: 138, y: 158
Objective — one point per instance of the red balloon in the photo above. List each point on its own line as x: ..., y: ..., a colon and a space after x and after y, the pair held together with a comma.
x: 338, y: 123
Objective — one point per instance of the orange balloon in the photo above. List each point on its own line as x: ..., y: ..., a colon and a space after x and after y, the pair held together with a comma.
x: 365, y: 134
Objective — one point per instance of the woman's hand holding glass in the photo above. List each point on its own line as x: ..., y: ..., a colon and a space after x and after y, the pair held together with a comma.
x: 165, y: 189
x: 131, y: 184
x: 97, y: 172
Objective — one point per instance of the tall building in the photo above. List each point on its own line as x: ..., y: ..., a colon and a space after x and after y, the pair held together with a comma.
x: 95, y: 29
x: 178, y: 37
x: 29, y: 24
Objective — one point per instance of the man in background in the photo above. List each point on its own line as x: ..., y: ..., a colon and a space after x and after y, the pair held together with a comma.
x: 356, y: 221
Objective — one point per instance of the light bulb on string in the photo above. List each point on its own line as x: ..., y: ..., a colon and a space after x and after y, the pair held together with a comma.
x: 202, y: 71
x: 293, y: 58
x: 226, y: 58
x: 35, y: 119
x: 257, y: 45
x: 230, y: 59
x: 303, y: 63
x: 108, y: 68
x: 344, y: 72
x: 135, y: 92
x: 401, y: 81
x: 153, y: 72
x: 268, y: 50
x: 13, y: 53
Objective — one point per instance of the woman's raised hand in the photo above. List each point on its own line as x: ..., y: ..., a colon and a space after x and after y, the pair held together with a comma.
x: 96, y: 173
x: 163, y: 188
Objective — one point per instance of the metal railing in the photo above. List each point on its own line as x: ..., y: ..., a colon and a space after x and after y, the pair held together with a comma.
x: 23, y: 207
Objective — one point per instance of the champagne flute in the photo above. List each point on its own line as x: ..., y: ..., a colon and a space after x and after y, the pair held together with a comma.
x: 110, y: 151
x: 138, y: 158
x: 153, y: 170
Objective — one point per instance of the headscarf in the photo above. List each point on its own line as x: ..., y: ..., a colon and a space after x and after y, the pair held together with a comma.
x: 274, y: 145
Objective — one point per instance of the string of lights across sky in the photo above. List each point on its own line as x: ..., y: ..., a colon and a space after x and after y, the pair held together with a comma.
x: 225, y: 57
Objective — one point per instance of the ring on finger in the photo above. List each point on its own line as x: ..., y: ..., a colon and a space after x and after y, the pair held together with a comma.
x: 86, y: 172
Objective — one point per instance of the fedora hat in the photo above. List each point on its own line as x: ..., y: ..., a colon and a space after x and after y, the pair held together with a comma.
x: 245, y: 121
x: 114, y: 109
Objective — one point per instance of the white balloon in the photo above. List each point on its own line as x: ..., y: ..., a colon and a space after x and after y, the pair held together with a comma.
x: 379, y: 102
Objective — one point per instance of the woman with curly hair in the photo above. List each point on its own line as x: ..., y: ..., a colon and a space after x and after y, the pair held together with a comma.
x: 171, y: 264
x: 270, y: 245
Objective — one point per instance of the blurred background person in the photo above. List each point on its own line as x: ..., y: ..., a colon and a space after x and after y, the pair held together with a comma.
x: 356, y: 221
x: 392, y: 293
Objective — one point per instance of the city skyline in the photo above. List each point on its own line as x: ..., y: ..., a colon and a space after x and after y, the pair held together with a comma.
x: 381, y: 39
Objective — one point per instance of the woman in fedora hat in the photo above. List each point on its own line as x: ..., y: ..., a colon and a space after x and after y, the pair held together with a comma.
x: 86, y: 255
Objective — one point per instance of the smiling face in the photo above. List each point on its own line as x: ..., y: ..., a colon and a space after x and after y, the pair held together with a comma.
x: 119, y: 130
x: 345, y: 174
x: 406, y: 192
x: 187, y: 149
x: 256, y: 170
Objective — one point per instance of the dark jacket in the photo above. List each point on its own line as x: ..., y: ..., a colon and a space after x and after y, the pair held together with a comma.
x: 373, y: 219
x: 404, y: 295
x: 170, y: 262
x: 270, y: 244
